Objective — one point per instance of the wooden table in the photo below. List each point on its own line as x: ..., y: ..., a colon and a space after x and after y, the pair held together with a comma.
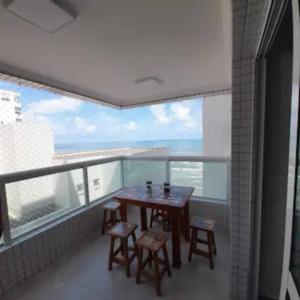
x: 175, y: 202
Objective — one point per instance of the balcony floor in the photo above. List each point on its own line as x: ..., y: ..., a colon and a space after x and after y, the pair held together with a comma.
x: 82, y: 274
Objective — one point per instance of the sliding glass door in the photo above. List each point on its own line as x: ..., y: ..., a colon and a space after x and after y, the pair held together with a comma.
x: 294, y: 275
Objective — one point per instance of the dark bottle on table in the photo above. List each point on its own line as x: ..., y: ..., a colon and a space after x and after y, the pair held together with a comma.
x: 166, y: 187
x: 149, y: 185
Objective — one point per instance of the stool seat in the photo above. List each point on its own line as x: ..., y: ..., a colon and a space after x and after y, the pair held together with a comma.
x: 122, y: 230
x: 202, y: 223
x: 153, y: 240
x: 112, y: 205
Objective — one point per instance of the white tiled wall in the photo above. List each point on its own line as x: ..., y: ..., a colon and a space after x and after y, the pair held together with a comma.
x: 27, y: 257
x: 248, y: 22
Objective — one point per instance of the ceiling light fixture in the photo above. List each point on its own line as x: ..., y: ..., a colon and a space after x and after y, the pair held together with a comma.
x: 149, y: 81
x: 49, y: 15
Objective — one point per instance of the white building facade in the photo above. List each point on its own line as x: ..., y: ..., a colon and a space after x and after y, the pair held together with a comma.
x: 10, y: 107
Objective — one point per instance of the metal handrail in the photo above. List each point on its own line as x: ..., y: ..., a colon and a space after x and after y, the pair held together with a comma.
x: 33, y: 173
x: 186, y: 158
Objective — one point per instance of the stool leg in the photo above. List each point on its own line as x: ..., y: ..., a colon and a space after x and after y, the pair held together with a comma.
x: 133, y: 237
x: 139, y: 265
x: 120, y: 216
x: 114, y: 221
x: 126, y: 257
x: 122, y: 247
x: 214, y: 241
x: 164, y: 224
x: 111, y: 218
x: 166, y: 256
x: 151, y: 218
x: 182, y: 224
x: 210, y: 249
x: 103, y: 222
x: 157, y: 274
x: 134, y: 243
x: 111, y: 252
x: 192, y: 243
x: 150, y: 258
x: 168, y: 223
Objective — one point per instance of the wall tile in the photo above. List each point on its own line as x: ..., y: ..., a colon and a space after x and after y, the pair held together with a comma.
x: 248, y: 19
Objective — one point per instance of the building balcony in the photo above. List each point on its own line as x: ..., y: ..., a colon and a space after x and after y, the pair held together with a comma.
x: 52, y: 221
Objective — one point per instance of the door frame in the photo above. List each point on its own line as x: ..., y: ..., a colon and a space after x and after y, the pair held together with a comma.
x: 287, y: 282
x: 276, y: 14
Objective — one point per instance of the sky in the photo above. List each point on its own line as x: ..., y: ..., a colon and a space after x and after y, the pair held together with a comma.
x: 74, y: 120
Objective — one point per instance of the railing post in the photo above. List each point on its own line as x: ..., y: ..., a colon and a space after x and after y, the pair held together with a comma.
x: 86, y: 185
x: 5, y: 218
x: 122, y: 172
x: 228, y: 182
x: 228, y: 196
x: 168, y: 177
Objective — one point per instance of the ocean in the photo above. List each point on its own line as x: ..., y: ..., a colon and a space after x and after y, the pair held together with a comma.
x: 177, y: 147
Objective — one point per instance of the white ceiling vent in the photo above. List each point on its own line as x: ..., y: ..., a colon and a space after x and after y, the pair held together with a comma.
x: 49, y: 15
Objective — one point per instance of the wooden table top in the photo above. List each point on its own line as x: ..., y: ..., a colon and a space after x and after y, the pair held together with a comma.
x: 177, y: 197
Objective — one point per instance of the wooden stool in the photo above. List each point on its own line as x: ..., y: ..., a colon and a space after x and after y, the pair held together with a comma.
x: 111, y: 207
x: 153, y: 241
x: 122, y: 231
x: 157, y: 214
x: 207, y: 226
x: 164, y: 216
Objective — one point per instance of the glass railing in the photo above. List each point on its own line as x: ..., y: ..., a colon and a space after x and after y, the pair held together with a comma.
x: 34, y: 202
x: 208, y: 178
x: 104, y: 179
x: 31, y: 199
x: 139, y: 171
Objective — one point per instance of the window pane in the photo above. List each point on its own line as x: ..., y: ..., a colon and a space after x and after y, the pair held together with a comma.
x: 104, y: 179
x: 36, y: 201
x: 208, y: 179
x: 139, y: 171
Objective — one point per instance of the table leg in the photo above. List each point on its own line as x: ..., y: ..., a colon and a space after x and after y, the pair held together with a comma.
x: 143, y: 215
x: 186, y: 218
x: 123, y: 212
x: 175, y: 218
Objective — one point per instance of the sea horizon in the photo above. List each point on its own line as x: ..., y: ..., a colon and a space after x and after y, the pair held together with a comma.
x: 176, y: 146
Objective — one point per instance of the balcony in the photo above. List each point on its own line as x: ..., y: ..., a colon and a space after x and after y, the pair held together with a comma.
x: 52, y: 210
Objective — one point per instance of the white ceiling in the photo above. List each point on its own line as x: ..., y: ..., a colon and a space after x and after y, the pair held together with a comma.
x: 111, y: 44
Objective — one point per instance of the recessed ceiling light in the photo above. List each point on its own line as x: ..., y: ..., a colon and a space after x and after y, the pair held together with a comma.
x: 49, y: 15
